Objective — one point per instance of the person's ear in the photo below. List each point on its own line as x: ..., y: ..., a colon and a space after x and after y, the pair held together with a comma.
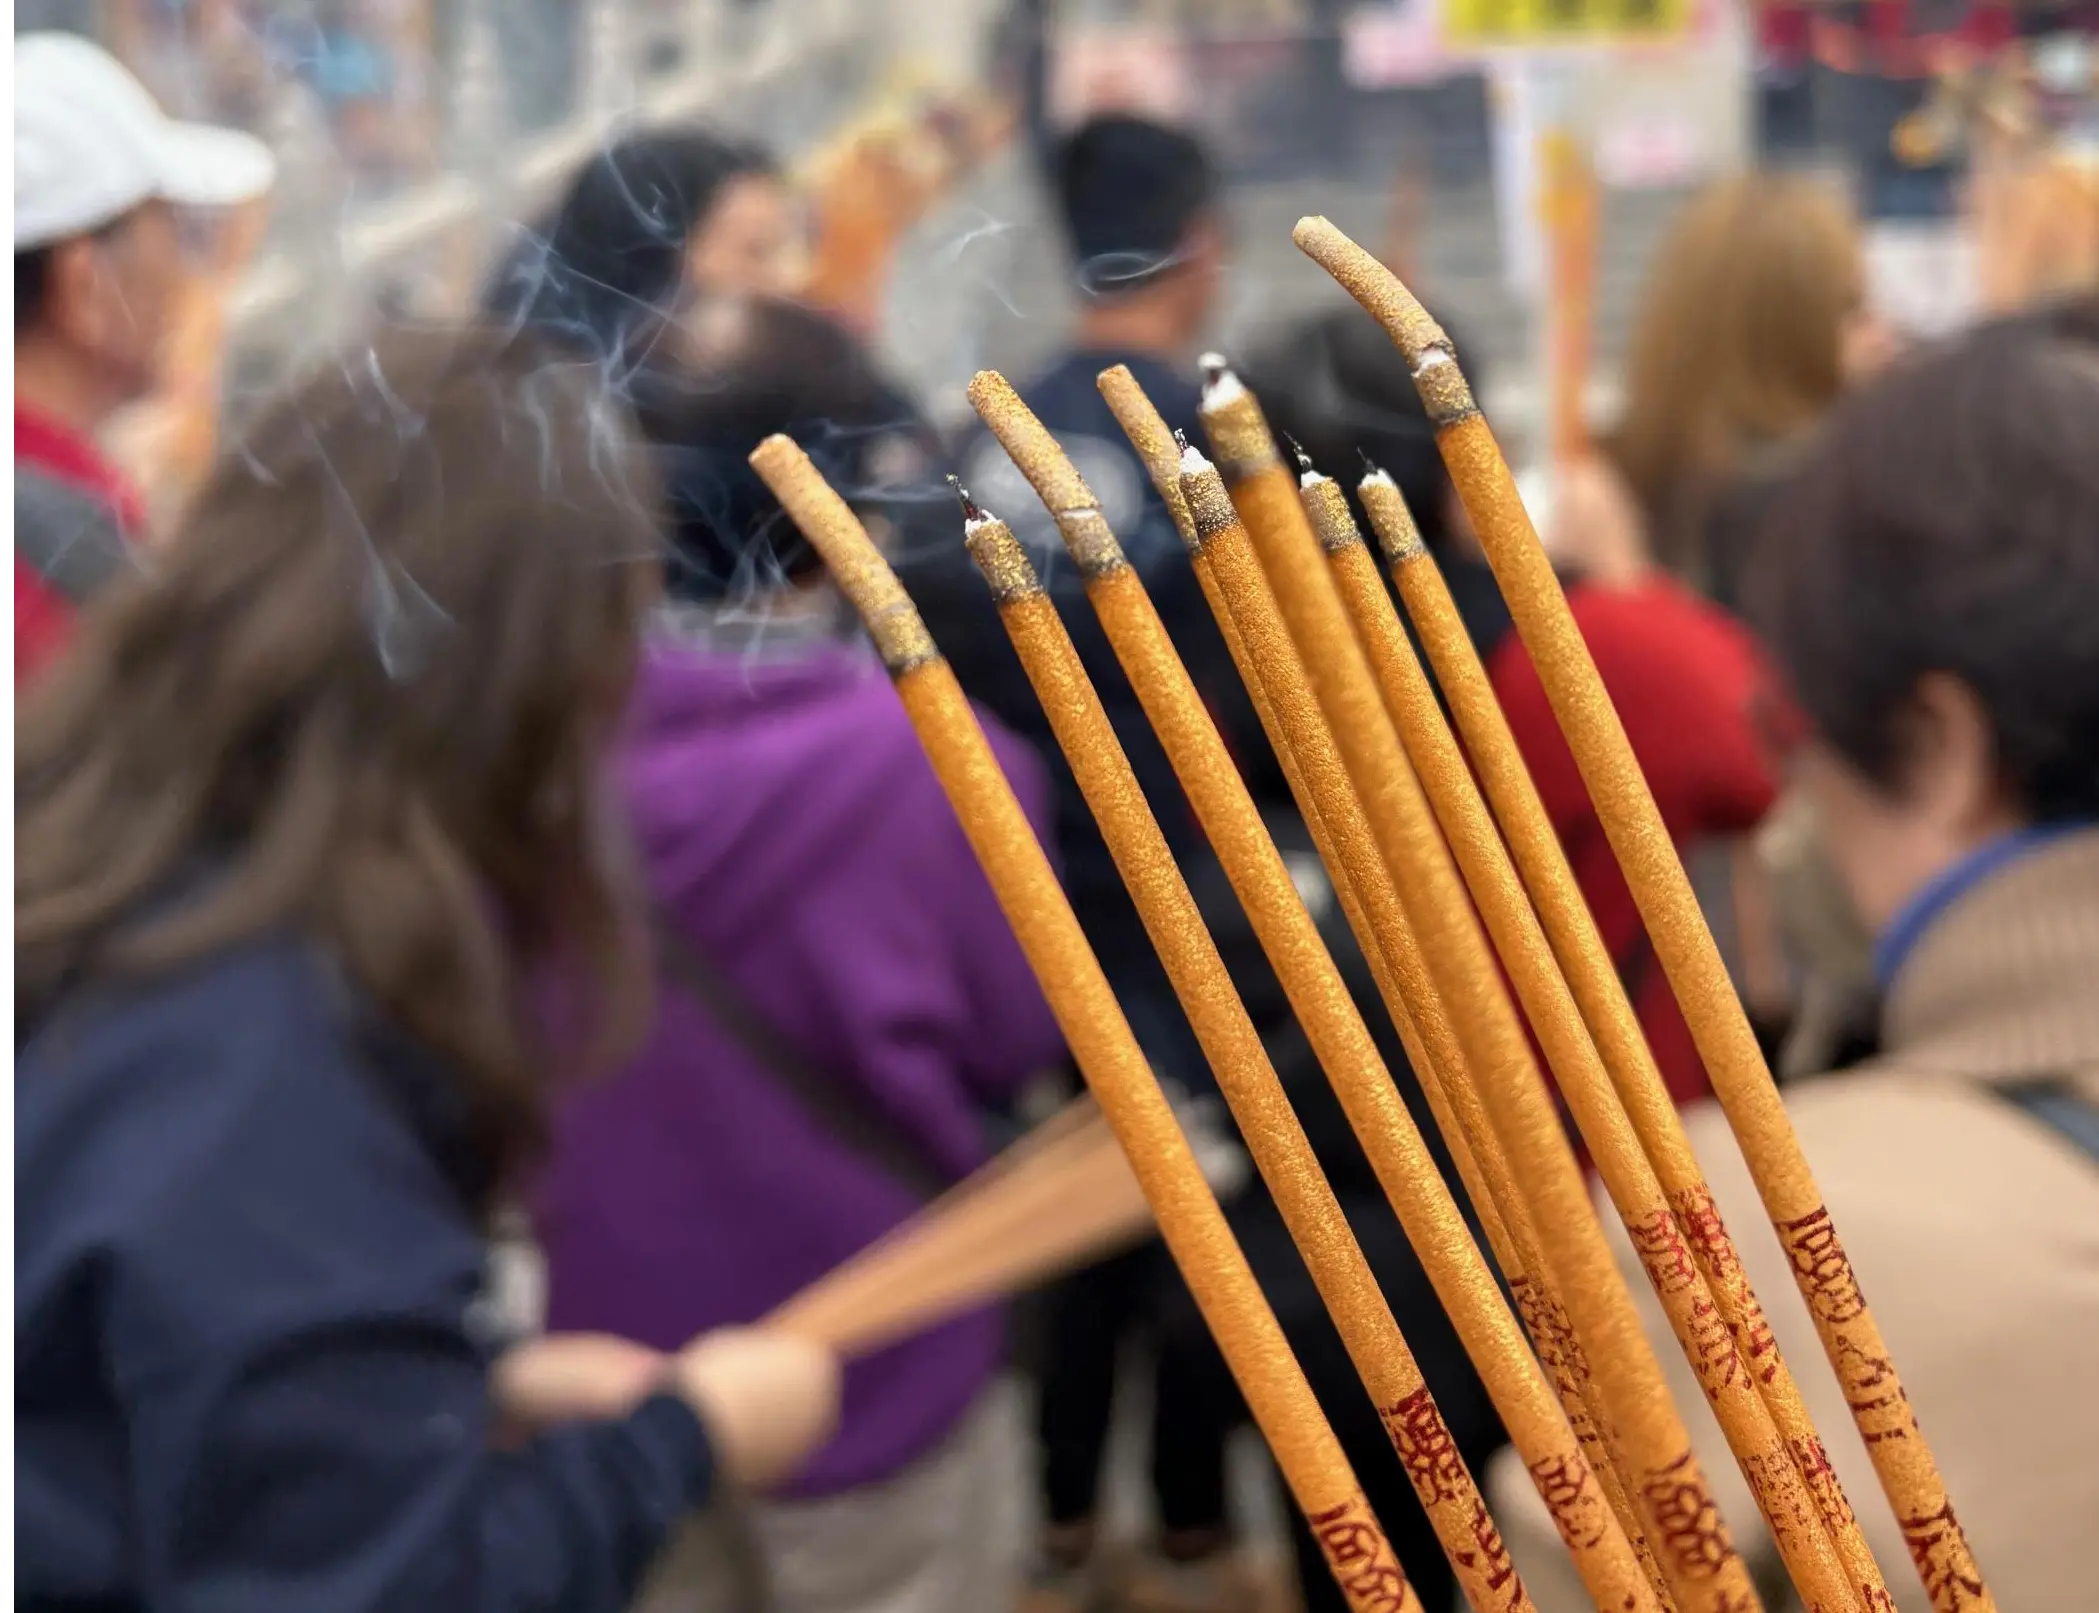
x: 1949, y: 772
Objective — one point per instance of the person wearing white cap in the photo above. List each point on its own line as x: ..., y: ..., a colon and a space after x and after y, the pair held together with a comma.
x: 100, y: 171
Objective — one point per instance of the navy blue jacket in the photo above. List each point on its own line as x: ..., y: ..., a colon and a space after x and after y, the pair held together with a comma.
x: 251, y: 1371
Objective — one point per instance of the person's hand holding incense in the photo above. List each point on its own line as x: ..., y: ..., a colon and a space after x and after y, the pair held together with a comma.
x: 769, y: 1399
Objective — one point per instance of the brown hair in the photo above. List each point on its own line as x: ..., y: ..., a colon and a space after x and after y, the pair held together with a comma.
x: 364, y: 693
x: 1944, y: 524
x: 1739, y: 342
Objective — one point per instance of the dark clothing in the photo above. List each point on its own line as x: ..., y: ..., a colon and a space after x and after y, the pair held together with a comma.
x: 251, y: 1370
x: 958, y: 608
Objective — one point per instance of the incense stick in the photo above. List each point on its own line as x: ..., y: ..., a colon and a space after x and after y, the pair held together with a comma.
x: 1606, y: 1009
x: 1637, y: 1417
x: 1908, y: 1472
x: 1233, y: 1047
x: 1797, y: 1524
x: 1060, y: 1196
x: 1192, y: 1224
x: 1603, y: 1536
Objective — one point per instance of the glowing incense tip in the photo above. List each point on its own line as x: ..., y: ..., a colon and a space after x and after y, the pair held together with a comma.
x: 1220, y: 385
x: 1307, y: 473
x: 973, y: 515
x: 1192, y: 460
x: 1375, y: 475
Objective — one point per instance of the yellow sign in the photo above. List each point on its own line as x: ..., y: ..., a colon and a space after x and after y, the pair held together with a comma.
x: 1544, y: 22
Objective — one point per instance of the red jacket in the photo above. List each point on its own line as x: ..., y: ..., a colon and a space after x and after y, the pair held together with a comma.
x: 73, y: 515
x: 1688, y: 683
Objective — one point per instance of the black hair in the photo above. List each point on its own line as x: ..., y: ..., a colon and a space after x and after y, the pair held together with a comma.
x: 32, y: 283
x: 1338, y: 386
x: 1944, y: 523
x: 608, y: 264
x: 754, y: 366
x: 1129, y: 191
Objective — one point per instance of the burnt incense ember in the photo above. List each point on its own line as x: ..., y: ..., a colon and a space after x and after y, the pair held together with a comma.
x: 970, y: 512
x: 1683, y: 944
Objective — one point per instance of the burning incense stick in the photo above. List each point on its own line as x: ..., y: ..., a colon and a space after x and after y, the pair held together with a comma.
x: 1656, y: 1459
x: 1606, y: 1551
x: 1684, y: 945
x: 1193, y: 1226
x: 1797, y: 1524
x: 1232, y: 1045
x: 1605, y: 1007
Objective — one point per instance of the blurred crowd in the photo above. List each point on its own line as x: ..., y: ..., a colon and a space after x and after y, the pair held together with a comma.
x: 478, y: 823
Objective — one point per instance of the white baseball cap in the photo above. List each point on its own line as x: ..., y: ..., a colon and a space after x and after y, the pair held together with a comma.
x: 91, y: 144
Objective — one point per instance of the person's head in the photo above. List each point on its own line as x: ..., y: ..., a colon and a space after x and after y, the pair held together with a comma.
x: 1339, y: 388
x: 364, y: 694
x: 648, y: 216
x: 99, y: 171
x: 1929, y: 584
x: 1141, y: 211
x: 1751, y: 322
x: 736, y: 371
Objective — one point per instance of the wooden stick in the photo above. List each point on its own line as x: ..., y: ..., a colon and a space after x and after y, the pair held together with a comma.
x: 1606, y: 1009
x: 1683, y: 944
x: 1277, y: 1142
x: 1631, y: 1397
x: 1192, y: 1224
x: 1604, y: 1551
x: 1797, y: 1524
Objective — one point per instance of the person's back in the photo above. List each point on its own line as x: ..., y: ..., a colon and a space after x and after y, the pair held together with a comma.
x: 793, y: 834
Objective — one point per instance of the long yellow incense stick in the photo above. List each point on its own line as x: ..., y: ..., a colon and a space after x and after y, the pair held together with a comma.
x: 1607, y: 1010
x: 1604, y: 1550
x: 1232, y: 1045
x: 1781, y: 1492
x: 1193, y: 1226
x: 1700, y: 1564
x: 1907, y: 1470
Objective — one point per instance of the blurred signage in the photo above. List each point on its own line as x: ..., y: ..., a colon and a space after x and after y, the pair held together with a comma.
x: 1549, y: 22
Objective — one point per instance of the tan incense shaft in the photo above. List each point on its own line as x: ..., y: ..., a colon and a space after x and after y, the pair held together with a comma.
x: 1630, y: 1395
x: 1683, y: 944
x: 1193, y: 1226
x: 1603, y: 1549
x: 1591, y: 973
x: 1797, y: 1525
x: 1233, y: 1047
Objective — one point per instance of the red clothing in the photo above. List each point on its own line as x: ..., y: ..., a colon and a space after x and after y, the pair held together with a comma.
x: 1688, y: 683
x: 44, y: 447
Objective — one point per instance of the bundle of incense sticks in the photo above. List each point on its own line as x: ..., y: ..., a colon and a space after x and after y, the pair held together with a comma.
x: 1061, y: 1196
x: 1683, y: 944
x: 1455, y: 886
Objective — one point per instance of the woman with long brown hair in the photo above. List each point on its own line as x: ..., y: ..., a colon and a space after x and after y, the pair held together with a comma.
x: 304, y: 814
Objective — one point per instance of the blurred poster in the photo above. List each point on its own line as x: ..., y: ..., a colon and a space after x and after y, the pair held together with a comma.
x: 1383, y: 47
x: 1141, y: 70
x: 1545, y: 22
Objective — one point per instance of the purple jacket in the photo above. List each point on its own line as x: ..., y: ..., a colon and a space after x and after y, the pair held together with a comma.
x: 792, y: 828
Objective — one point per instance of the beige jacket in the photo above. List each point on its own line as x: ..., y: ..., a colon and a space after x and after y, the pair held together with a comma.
x: 1975, y: 1234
